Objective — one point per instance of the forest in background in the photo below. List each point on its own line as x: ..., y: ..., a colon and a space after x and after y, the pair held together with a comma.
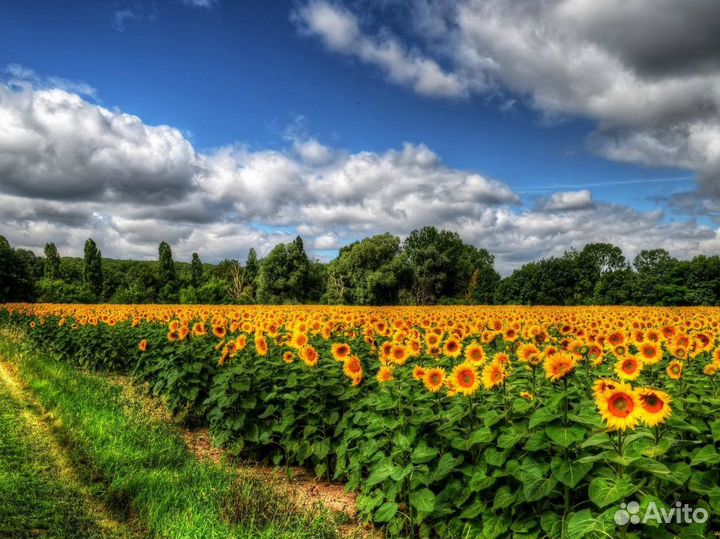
x: 429, y: 267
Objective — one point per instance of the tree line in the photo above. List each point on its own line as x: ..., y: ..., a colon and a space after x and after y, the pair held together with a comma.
x: 429, y: 267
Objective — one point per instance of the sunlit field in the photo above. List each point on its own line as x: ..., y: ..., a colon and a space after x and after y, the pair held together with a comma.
x: 486, y: 422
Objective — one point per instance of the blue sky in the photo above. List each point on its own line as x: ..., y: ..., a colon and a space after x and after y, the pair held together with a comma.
x: 266, y: 76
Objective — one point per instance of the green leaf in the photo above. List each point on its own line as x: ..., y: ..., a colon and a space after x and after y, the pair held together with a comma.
x: 599, y: 439
x: 504, y: 497
x: 446, y: 464
x: 569, y: 472
x: 541, y: 416
x: 423, y: 454
x: 381, y: 471
x: 494, y: 525
x: 474, y: 509
x: 581, y: 524
x: 604, y: 491
x: 423, y: 500
x: 707, y: 455
x: 565, y: 436
x: 539, y: 488
x: 652, y: 466
x: 494, y: 457
x: 386, y: 512
x: 480, y: 481
x: 481, y: 436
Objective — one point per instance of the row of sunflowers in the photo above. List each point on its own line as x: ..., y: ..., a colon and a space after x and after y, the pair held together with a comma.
x: 450, y: 421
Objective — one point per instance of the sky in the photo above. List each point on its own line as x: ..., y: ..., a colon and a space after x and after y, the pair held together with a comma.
x: 530, y: 128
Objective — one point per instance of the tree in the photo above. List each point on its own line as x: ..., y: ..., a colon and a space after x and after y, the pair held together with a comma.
x: 16, y: 275
x: 166, y: 275
x: 285, y: 275
x: 443, y: 266
x: 52, y: 262
x: 368, y: 272
x: 92, y: 268
x: 196, y: 271
x: 252, y: 267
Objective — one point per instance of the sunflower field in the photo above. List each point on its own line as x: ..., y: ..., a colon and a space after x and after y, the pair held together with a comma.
x: 451, y: 422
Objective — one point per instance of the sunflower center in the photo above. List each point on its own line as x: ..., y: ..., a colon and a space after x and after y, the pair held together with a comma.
x: 621, y: 405
x: 652, y: 403
x: 466, y: 379
x: 629, y: 366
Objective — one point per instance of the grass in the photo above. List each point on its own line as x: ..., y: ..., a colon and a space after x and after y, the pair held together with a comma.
x: 141, y: 467
x: 37, y: 501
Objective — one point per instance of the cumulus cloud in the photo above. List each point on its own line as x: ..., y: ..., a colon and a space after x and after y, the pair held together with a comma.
x: 568, y: 200
x: 339, y: 30
x: 648, y: 71
x: 71, y: 169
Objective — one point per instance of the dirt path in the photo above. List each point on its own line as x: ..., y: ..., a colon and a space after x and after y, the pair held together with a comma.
x: 39, y: 434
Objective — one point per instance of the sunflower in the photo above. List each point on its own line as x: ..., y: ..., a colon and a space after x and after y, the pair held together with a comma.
x: 710, y: 369
x: 340, y: 351
x: 465, y: 379
x: 298, y: 340
x: 142, y: 345
x: 656, y: 406
x: 650, y: 352
x: 493, y: 375
x: 527, y: 395
x: 475, y: 353
x: 352, y: 367
x: 675, y: 369
x: 288, y: 357
x: 199, y: 329
x: 219, y: 331
x: 452, y: 348
x: 434, y: 379
x: 602, y: 385
x: 261, y: 345
x: 559, y: 365
x: 629, y: 368
x: 309, y: 355
x: 385, y: 374
x: 529, y: 353
x: 398, y: 354
x: 620, y: 407
x: 418, y: 373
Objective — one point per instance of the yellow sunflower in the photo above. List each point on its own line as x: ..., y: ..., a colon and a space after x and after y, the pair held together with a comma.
x: 434, y: 379
x: 493, y: 375
x: 465, y: 379
x: 620, y: 407
x: 559, y: 365
x: 475, y: 353
x: 656, y: 406
x: 385, y: 374
x: 629, y: 368
x: 675, y: 369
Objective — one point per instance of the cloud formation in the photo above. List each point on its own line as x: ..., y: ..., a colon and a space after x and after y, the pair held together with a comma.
x: 71, y: 169
x: 647, y: 71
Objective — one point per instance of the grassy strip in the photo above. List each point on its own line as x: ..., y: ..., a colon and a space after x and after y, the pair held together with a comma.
x: 145, y: 467
x: 37, y: 501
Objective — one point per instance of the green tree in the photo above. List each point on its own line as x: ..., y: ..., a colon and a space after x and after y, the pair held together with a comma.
x: 368, y: 272
x: 52, y: 262
x: 196, y: 271
x: 167, y: 278
x: 285, y: 274
x: 92, y: 268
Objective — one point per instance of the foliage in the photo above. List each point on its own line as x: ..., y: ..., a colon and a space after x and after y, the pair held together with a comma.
x: 450, y: 421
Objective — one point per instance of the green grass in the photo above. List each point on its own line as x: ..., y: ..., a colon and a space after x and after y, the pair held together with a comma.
x: 34, y: 501
x: 144, y: 468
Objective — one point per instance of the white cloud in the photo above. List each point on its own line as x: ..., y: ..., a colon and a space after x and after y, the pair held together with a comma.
x: 339, y: 30
x: 567, y: 200
x: 648, y: 71
x: 71, y: 169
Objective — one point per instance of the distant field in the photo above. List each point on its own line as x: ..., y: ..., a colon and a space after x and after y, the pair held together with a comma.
x: 450, y: 421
